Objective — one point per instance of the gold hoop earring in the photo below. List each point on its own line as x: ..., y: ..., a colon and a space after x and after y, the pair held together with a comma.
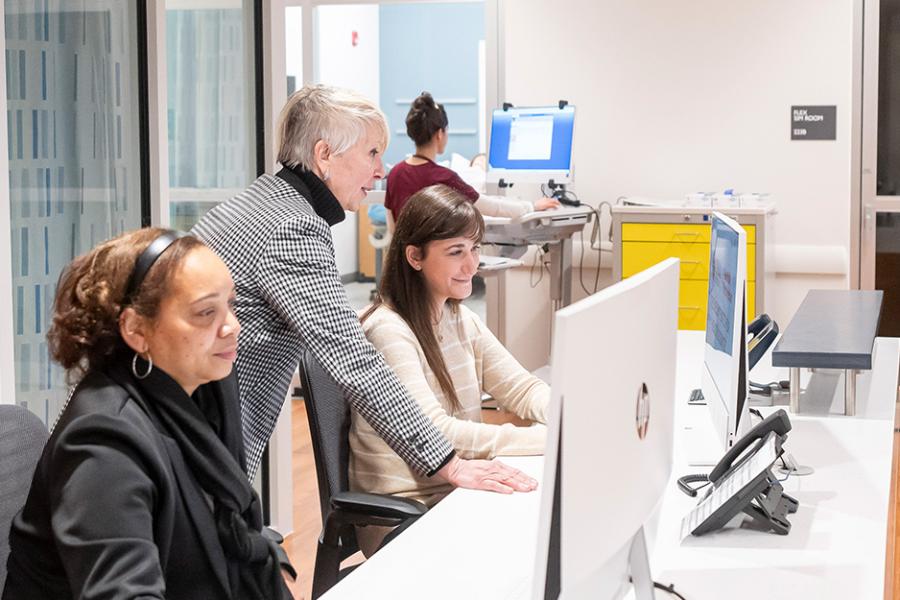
x: 134, y: 366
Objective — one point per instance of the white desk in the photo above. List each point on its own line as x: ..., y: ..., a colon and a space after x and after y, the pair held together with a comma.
x: 479, y: 545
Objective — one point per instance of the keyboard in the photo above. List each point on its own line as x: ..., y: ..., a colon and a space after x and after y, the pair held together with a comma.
x: 697, y: 397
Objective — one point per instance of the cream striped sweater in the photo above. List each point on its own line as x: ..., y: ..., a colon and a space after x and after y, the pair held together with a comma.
x: 476, y: 361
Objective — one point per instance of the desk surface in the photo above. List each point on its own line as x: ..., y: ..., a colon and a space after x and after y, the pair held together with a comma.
x: 480, y: 545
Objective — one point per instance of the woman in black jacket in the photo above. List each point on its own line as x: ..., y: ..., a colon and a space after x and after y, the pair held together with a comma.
x: 140, y: 491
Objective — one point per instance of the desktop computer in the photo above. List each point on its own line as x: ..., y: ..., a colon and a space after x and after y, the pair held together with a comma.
x: 609, y: 441
x: 531, y: 145
x: 724, y: 377
x: 724, y: 383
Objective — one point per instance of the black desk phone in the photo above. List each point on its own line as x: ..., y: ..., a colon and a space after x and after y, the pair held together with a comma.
x: 761, y: 333
x: 741, y: 483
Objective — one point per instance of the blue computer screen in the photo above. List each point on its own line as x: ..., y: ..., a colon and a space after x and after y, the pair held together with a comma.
x: 532, y: 138
x: 723, y: 290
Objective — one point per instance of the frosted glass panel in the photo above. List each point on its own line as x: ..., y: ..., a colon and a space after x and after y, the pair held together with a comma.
x: 74, y: 149
x: 211, y: 116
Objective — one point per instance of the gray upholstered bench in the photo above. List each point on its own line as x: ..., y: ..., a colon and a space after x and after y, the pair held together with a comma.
x: 832, y: 329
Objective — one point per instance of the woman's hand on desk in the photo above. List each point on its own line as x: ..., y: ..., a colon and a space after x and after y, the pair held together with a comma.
x: 489, y: 475
x: 546, y: 203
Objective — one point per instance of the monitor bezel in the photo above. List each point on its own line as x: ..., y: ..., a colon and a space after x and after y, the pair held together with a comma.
x: 496, y: 174
x: 730, y: 416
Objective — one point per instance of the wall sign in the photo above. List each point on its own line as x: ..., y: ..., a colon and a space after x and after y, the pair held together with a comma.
x: 813, y: 122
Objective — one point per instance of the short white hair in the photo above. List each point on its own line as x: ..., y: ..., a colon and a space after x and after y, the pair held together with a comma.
x: 337, y: 116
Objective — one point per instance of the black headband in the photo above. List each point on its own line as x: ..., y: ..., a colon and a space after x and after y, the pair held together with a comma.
x: 146, y: 260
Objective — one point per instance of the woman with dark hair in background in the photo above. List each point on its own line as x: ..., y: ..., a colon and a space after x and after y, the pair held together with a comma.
x: 426, y: 125
x: 441, y: 351
x: 140, y: 491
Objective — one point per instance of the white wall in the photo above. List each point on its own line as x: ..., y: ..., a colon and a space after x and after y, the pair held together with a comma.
x: 676, y: 97
x: 340, y: 63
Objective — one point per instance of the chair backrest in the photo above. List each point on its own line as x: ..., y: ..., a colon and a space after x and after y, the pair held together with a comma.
x: 329, y: 427
x: 22, y: 439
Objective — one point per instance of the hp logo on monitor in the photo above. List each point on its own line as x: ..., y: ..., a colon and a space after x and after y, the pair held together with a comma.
x: 642, y: 411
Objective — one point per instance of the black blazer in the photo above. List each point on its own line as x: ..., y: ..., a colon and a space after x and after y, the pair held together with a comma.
x: 113, y: 511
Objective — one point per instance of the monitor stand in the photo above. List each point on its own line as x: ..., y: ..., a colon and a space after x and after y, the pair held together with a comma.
x: 701, y: 446
x: 638, y: 558
x: 639, y: 563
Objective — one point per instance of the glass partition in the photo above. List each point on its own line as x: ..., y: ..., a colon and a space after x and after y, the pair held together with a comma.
x: 211, y: 106
x: 74, y: 160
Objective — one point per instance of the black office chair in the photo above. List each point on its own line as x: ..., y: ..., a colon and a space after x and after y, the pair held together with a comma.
x: 329, y: 426
x: 22, y: 439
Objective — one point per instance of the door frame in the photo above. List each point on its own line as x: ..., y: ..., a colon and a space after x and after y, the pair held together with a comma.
x: 868, y: 203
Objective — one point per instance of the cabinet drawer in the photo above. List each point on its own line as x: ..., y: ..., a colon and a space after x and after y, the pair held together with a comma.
x: 751, y: 235
x: 751, y: 301
x: 692, y: 296
x: 674, y: 232
x: 692, y: 304
x: 691, y: 318
x: 664, y: 232
x: 637, y: 256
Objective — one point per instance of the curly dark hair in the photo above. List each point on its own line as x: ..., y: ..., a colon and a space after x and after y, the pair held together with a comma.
x: 91, y: 295
x: 425, y: 118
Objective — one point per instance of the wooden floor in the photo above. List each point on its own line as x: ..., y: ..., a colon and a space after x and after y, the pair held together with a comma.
x: 892, y: 560
x: 301, y: 545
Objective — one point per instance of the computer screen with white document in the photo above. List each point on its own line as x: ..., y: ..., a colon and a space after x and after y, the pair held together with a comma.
x: 609, y: 441
x: 531, y: 144
x: 724, y: 380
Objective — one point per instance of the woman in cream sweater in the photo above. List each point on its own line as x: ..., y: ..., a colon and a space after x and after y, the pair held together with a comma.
x: 440, y: 350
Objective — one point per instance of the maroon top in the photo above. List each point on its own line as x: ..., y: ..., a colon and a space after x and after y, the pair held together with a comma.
x: 405, y: 179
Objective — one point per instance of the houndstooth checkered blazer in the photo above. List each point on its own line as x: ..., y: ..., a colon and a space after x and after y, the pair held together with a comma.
x: 290, y: 297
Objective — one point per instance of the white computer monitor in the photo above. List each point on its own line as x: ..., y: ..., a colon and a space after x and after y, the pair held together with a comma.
x: 531, y: 144
x: 609, y: 442
x: 724, y: 379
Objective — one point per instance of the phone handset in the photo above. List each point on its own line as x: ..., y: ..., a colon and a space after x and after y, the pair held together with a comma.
x: 761, y: 334
x: 777, y: 422
x: 743, y: 482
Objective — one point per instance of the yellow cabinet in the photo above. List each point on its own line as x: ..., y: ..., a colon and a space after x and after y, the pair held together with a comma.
x: 674, y: 232
x: 647, y: 240
x: 637, y: 256
x: 692, y: 296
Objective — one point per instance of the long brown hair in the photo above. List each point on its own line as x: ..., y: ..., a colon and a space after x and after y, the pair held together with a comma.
x: 434, y: 213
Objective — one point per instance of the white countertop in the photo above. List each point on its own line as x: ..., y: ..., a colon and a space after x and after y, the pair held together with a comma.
x: 481, y: 545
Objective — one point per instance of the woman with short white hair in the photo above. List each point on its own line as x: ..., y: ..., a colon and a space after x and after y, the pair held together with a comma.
x: 275, y: 238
